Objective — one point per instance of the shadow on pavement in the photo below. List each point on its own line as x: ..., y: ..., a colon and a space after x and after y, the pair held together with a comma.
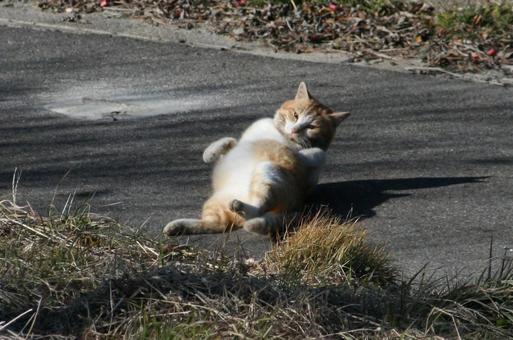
x: 357, y: 199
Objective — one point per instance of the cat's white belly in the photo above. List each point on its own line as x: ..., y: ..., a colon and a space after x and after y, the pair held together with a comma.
x: 236, y: 169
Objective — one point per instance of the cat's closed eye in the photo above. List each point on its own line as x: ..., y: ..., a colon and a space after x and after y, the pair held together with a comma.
x: 296, y: 116
x: 314, y: 124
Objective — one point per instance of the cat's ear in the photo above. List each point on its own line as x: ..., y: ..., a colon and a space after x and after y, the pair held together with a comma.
x: 338, y: 117
x: 302, y: 91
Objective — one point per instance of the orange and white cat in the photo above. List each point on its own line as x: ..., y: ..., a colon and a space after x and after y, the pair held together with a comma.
x: 267, y: 173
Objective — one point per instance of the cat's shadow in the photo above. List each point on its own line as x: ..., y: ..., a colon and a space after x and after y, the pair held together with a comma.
x: 347, y: 199
x: 358, y: 199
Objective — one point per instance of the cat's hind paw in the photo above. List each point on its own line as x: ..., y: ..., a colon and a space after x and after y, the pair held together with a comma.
x: 173, y: 228
x: 238, y: 207
x: 257, y: 225
x: 182, y: 226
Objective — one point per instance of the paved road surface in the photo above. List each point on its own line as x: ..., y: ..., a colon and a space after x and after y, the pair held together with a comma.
x: 427, y: 163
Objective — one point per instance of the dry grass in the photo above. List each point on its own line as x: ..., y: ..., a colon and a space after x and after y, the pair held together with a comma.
x: 46, y: 263
x: 75, y: 275
x: 326, y: 250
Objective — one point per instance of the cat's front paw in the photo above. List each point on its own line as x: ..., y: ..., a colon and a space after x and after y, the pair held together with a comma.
x: 217, y: 149
x: 210, y: 156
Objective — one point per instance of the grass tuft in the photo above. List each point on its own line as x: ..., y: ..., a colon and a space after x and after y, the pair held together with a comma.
x: 325, y: 250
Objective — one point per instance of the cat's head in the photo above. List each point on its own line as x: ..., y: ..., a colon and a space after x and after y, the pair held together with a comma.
x: 306, y: 122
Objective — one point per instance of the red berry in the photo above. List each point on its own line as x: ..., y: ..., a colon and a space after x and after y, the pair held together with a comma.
x: 104, y: 3
x: 239, y: 3
x: 332, y: 7
x: 491, y: 52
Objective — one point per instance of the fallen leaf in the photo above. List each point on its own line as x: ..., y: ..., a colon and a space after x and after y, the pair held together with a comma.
x: 474, y: 56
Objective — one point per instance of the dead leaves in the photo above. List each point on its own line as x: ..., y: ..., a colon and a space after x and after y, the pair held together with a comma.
x: 371, y: 30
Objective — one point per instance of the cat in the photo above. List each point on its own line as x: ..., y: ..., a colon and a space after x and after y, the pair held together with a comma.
x: 269, y: 172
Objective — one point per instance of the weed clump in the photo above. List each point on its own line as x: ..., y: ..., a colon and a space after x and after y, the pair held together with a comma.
x: 326, y: 250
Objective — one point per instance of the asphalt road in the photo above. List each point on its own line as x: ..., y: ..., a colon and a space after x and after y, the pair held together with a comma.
x: 426, y: 163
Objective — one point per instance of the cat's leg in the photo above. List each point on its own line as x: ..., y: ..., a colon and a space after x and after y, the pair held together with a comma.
x: 191, y: 226
x: 216, y: 218
x: 187, y: 226
x: 218, y: 148
x: 269, y: 198
x: 266, y: 178
x: 314, y: 159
